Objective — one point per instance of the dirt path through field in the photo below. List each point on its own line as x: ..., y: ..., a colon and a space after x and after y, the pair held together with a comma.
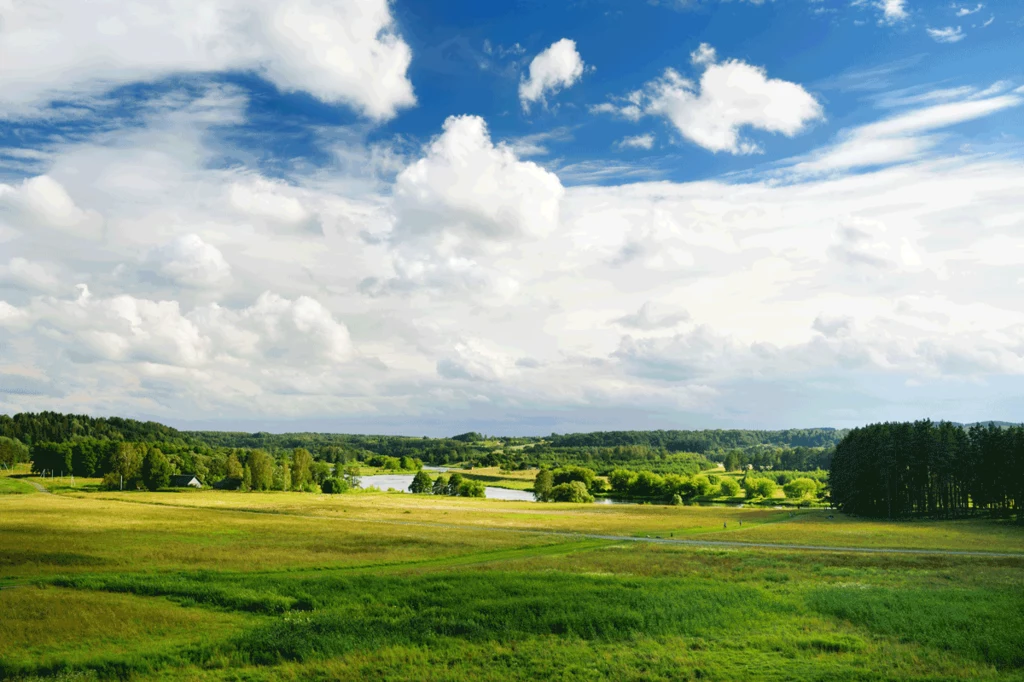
x: 39, y: 487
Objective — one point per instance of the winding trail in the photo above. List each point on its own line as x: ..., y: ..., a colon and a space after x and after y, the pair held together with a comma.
x: 40, y: 487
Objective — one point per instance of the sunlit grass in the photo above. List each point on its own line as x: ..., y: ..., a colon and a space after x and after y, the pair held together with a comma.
x: 228, y: 585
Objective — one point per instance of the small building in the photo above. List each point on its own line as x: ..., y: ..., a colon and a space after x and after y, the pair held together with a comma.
x: 185, y: 481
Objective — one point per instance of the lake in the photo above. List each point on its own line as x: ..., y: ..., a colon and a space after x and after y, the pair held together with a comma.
x: 402, y: 481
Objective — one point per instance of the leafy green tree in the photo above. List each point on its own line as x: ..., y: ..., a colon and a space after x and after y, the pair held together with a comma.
x: 51, y: 457
x: 542, y: 485
x: 800, y: 488
x: 454, y: 481
x: 574, y: 491
x: 470, y: 488
x: 156, y: 470
x: 440, y: 486
x: 233, y: 468
x: 758, y: 486
x: 622, y: 480
x: 421, y: 483
x: 283, y: 475
x: 302, y: 463
x: 647, y: 484
x: 677, y: 500
x: 574, y: 473
x: 12, y: 451
x: 320, y: 471
x: 728, y: 487
x: 350, y: 474
x: 734, y: 460
x: 702, y: 485
x: 126, y: 462
x: 261, y: 470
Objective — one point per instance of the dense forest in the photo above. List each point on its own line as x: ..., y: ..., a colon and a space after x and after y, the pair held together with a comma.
x: 898, y: 470
x: 30, y: 428
x: 701, y: 442
x: 85, y: 445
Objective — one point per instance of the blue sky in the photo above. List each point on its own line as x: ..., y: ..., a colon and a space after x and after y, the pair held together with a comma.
x: 518, y: 217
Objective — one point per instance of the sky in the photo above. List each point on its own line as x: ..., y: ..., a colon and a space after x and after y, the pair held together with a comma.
x: 517, y: 217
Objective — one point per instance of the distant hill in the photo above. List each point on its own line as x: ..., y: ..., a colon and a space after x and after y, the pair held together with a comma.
x: 39, y: 427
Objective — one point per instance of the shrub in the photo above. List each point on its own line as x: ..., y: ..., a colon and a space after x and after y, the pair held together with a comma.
x: 729, y: 487
x: 470, y: 488
x: 800, y: 488
x: 574, y: 473
x: 621, y: 480
x: 758, y: 487
x: 333, y: 485
x: 701, y: 485
x: 574, y: 491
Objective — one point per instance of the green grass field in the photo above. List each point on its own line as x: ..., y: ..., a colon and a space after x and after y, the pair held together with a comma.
x: 204, y: 585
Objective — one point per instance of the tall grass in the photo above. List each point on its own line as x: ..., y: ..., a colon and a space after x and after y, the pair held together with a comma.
x: 982, y: 624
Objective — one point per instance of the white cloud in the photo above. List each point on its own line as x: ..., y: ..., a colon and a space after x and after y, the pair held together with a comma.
x: 556, y: 68
x: 648, y: 318
x: 946, y: 35
x: 344, y: 52
x: 21, y: 273
x: 127, y: 329
x: 273, y: 201
x: 637, y: 142
x: 188, y: 261
x: 893, y: 11
x: 731, y: 95
x: 967, y: 11
x: 476, y: 284
x: 704, y: 55
x: 466, y: 186
x: 902, y: 137
x: 41, y: 201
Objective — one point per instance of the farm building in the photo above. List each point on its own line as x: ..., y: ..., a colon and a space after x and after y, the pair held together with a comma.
x: 185, y: 481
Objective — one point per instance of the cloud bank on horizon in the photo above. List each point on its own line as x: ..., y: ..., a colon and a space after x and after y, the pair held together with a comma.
x: 385, y: 216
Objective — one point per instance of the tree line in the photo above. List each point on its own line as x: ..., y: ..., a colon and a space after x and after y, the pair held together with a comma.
x: 701, y: 442
x: 898, y: 470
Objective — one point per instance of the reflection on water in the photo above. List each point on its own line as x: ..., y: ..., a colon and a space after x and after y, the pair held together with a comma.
x: 402, y: 481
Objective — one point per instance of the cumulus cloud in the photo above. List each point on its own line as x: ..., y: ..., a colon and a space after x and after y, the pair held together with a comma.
x: 343, y: 52
x: 476, y: 283
x: 190, y: 262
x: 126, y: 328
x: 893, y: 11
x: 556, y: 68
x: 41, y: 201
x: 467, y: 186
x: 730, y: 96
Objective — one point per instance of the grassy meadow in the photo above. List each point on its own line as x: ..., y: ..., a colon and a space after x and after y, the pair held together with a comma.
x: 209, y: 585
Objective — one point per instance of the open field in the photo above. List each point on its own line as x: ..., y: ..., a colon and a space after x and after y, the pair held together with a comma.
x: 261, y: 586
